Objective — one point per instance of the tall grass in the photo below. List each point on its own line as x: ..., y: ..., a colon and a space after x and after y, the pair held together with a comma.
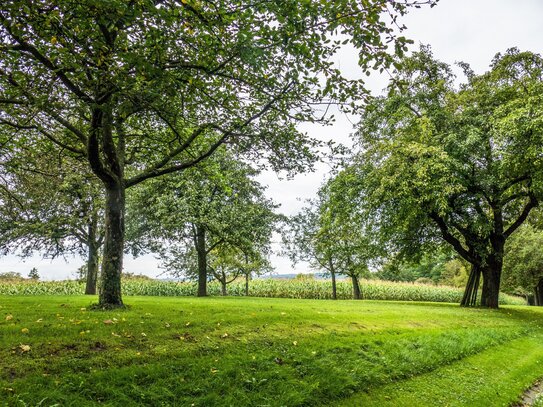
x: 309, y: 289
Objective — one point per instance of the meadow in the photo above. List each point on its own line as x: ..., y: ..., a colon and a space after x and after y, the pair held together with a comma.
x: 239, y: 351
x: 276, y: 288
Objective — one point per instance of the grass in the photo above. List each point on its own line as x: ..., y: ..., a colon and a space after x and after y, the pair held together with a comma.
x: 264, y: 352
x: 306, y: 289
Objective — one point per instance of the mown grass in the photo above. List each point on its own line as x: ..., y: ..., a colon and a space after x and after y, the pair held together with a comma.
x: 249, y: 351
x: 306, y: 289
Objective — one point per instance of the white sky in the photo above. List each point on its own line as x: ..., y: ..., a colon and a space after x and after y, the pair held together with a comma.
x: 472, y: 31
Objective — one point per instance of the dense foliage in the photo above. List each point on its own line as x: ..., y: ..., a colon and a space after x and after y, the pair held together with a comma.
x: 141, y: 89
x: 440, y: 164
x: 523, y: 266
x: 213, y: 221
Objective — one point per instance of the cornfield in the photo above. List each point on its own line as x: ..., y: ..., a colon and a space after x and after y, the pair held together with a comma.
x: 308, y: 289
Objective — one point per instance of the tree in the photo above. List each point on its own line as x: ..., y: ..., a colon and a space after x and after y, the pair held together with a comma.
x: 329, y: 235
x: 33, y: 274
x: 226, y: 227
x: 523, y: 263
x: 140, y: 89
x: 227, y: 263
x: 440, y: 164
x: 305, y: 240
x: 50, y: 206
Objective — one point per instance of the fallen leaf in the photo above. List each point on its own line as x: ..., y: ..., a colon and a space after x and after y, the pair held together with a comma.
x: 224, y: 335
x: 24, y: 348
x: 9, y: 317
x: 24, y: 330
x: 108, y: 322
x: 295, y: 343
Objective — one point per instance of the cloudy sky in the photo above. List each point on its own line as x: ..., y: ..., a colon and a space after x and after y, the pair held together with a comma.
x: 472, y: 31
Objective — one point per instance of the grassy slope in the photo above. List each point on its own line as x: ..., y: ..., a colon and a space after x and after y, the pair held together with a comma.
x: 247, y: 351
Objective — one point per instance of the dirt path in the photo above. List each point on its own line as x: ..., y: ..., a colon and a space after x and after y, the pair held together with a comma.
x: 530, y: 395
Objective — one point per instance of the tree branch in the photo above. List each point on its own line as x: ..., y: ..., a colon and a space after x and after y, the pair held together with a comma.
x: 449, y: 238
x: 532, y: 203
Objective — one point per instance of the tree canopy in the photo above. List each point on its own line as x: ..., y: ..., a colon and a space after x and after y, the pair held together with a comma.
x: 523, y: 265
x: 213, y: 220
x: 460, y: 165
x: 141, y: 89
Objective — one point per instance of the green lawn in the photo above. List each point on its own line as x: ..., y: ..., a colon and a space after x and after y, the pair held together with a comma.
x: 264, y: 352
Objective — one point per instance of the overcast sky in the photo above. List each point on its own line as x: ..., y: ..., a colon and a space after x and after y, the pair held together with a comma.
x: 472, y: 31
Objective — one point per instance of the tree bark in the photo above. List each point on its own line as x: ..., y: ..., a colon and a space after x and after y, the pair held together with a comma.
x: 92, y: 260
x: 491, y: 287
x: 247, y: 284
x: 112, y: 264
x: 472, y: 287
x: 92, y: 269
x: 202, y: 260
x: 538, y: 294
x: 356, y: 288
x: 223, y: 289
x: 333, y: 275
x: 334, y: 286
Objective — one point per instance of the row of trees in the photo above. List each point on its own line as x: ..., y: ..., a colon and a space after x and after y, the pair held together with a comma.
x: 440, y: 165
x: 136, y: 90
x: 212, y: 222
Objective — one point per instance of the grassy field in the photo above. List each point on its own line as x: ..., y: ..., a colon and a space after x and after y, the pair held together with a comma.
x: 307, y: 289
x: 264, y: 352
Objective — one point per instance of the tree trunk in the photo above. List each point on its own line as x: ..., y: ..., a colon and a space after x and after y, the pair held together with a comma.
x: 92, y: 269
x: 202, y: 260
x: 491, y: 285
x: 333, y: 275
x: 247, y: 284
x: 223, y: 288
x: 92, y: 260
x: 472, y: 287
x: 538, y: 294
x: 356, y: 288
x: 112, y: 263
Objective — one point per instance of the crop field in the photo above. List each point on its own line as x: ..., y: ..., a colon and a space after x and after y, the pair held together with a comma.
x: 238, y: 351
x: 304, y: 289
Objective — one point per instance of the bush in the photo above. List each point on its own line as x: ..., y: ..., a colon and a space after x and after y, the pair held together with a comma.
x: 11, y: 276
